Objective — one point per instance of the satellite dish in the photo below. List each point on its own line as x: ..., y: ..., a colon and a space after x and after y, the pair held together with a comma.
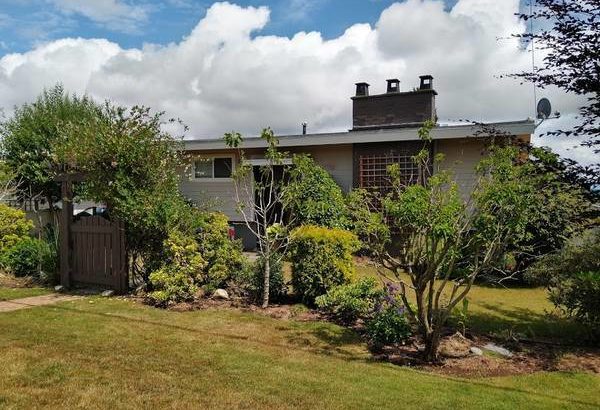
x: 544, y: 109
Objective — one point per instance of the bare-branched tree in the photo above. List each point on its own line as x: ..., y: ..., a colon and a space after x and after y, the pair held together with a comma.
x: 260, y: 197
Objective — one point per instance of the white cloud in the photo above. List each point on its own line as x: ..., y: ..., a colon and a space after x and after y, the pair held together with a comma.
x: 222, y: 77
x: 114, y: 14
x: 301, y: 9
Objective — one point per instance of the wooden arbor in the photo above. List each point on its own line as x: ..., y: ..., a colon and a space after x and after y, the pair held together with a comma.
x: 92, y: 249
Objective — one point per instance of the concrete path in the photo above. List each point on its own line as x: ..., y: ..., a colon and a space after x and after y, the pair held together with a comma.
x: 24, y: 303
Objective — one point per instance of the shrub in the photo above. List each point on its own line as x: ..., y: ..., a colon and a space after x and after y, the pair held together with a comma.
x: 347, y: 303
x: 579, y: 297
x: 313, y: 197
x: 177, y: 280
x: 321, y: 260
x: 389, y: 325
x: 30, y: 256
x: 248, y: 281
x: 277, y: 285
x: 572, y: 276
x: 223, y: 256
x: 14, y: 227
x: 580, y: 254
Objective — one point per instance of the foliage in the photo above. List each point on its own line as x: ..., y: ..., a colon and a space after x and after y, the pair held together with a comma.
x: 572, y: 276
x: 562, y: 203
x: 131, y: 165
x: 442, y: 234
x: 277, y: 285
x: 313, y: 196
x: 578, y: 295
x: 350, y: 302
x: 30, y: 256
x: 262, y: 203
x: 8, y: 182
x: 223, y: 256
x: 28, y: 139
x: 321, y: 259
x: 569, y: 38
x: 177, y: 280
x: 389, y: 324
x: 368, y: 224
x: 14, y: 227
x: 580, y: 254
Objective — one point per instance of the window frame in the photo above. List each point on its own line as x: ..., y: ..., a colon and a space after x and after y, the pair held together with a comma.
x: 212, y: 161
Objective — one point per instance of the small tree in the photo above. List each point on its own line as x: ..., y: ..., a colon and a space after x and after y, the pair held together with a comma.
x: 130, y: 164
x: 260, y: 195
x: 444, y: 242
x: 30, y: 135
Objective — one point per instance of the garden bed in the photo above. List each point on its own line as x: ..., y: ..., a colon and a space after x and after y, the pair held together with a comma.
x: 527, y: 358
x: 457, y: 360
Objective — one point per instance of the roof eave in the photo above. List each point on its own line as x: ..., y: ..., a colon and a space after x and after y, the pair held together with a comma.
x: 525, y: 127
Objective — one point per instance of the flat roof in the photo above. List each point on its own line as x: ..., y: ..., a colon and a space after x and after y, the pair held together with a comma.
x: 441, y: 132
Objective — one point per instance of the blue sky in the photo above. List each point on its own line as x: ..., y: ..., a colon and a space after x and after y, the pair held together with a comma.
x: 206, y: 67
x: 25, y: 23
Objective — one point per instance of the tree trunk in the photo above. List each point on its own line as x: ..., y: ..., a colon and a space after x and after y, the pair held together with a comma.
x: 432, y: 345
x: 266, y: 281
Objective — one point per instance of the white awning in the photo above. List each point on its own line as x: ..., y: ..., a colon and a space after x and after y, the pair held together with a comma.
x: 261, y: 162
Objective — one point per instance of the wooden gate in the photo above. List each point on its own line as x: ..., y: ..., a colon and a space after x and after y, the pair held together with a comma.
x: 92, y: 248
x: 98, y: 253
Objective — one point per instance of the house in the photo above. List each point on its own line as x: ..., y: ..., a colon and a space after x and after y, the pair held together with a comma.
x: 384, y: 131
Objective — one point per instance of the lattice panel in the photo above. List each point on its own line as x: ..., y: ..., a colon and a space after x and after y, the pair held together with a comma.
x: 374, y: 175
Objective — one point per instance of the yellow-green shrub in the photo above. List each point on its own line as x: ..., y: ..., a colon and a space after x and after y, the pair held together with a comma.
x: 321, y: 259
x: 223, y: 256
x: 14, y: 227
x: 177, y: 280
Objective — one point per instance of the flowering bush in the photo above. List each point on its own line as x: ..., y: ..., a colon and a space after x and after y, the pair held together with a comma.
x: 389, y: 324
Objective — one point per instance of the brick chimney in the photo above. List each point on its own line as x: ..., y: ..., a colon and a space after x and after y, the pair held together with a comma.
x: 394, y: 109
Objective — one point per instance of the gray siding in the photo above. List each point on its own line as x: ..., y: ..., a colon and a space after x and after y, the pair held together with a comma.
x: 216, y: 195
x: 461, y: 157
x: 337, y: 160
x: 213, y: 194
x: 220, y: 195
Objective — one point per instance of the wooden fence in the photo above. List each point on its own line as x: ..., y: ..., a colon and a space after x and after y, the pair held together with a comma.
x: 92, y: 248
x: 98, y: 254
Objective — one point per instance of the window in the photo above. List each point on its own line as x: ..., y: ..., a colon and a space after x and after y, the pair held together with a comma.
x: 209, y: 168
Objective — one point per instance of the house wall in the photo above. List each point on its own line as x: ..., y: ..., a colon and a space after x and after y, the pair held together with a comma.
x: 336, y: 159
x: 212, y: 194
x: 461, y: 156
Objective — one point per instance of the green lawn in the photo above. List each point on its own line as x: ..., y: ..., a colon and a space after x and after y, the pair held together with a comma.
x: 17, y: 293
x: 502, y: 311
x: 111, y: 353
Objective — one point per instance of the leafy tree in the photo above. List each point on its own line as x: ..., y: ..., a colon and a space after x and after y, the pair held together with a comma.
x: 131, y: 165
x: 563, y: 200
x: 28, y: 139
x: 571, y: 63
x: 313, y: 196
x: 572, y: 276
x: 260, y: 196
x: 437, y: 227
